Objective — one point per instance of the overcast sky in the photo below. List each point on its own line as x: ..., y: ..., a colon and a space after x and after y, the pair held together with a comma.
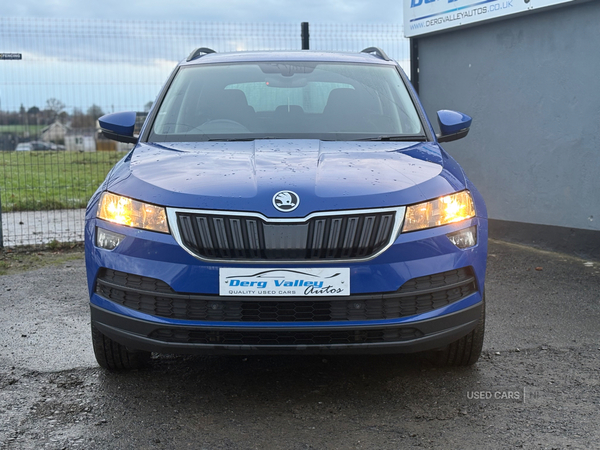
x: 121, y: 51
x: 339, y: 11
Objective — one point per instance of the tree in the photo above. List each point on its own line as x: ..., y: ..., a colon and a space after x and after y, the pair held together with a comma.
x: 63, y: 117
x: 33, y: 110
x: 94, y: 112
x: 80, y: 120
x: 55, y: 107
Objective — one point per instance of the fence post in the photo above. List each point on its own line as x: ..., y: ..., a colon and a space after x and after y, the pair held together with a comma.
x: 305, y: 36
x: 1, y: 237
x: 414, y: 63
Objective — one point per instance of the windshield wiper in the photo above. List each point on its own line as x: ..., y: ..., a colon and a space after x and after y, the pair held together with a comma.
x: 231, y: 139
x: 400, y: 137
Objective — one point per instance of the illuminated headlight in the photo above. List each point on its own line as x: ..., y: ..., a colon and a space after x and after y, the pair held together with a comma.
x: 441, y: 211
x: 132, y: 213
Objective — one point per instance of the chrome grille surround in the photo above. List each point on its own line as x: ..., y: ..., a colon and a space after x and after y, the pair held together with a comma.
x: 240, y: 236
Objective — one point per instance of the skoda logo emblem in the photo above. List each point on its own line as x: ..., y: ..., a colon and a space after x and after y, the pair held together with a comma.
x: 286, y: 201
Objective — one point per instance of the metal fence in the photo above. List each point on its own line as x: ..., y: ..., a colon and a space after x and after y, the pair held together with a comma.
x: 58, y: 76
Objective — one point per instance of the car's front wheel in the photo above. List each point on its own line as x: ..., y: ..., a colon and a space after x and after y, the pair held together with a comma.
x: 116, y: 357
x: 464, y: 352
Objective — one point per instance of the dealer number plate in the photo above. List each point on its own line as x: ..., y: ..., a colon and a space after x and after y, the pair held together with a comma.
x: 278, y: 282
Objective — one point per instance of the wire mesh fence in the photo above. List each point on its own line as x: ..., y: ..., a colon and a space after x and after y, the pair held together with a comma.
x: 70, y: 72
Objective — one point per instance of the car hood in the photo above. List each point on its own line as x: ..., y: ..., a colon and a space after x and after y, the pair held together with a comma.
x: 244, y: 176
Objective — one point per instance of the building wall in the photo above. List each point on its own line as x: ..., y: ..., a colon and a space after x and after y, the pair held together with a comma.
x: 532, y: 86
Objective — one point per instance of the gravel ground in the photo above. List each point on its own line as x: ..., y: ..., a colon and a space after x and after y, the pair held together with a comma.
x: 536, y: 386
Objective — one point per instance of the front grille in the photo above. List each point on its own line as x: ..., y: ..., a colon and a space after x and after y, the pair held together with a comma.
x: 284, y: 338
x: 416, y: 296
x: 324, y: 237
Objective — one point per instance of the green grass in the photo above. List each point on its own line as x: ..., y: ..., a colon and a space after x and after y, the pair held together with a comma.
x: 20, y: 129
x: 33, y: 181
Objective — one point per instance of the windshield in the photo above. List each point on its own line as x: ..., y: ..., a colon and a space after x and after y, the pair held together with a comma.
x: 297, y: 100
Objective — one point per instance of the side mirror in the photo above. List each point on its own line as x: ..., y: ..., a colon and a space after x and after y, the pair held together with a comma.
x: 119, y: 126
x: 453, y: 125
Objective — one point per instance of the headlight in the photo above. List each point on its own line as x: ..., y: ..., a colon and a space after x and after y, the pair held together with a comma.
x: 126, y: 211
x: 441, y: 211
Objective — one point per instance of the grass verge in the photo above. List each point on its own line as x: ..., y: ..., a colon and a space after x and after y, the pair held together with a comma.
x: 46, y: 180
x: 23, y: 259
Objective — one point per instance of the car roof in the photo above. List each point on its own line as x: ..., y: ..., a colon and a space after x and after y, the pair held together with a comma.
x: 291, y: 55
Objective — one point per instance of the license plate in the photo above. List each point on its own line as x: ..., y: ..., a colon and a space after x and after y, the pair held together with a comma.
x: 278, y: 282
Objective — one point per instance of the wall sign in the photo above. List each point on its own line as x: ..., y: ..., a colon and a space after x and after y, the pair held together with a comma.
x: 427, y: 16
x: 11, y: 56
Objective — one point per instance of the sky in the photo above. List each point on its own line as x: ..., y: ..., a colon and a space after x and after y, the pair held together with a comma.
x: 338, y: 11
x: 117, y: 54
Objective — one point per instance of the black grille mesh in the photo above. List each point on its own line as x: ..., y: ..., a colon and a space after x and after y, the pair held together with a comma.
x: 283, y: 338
x: 155, y: 297
x: 353, y: 236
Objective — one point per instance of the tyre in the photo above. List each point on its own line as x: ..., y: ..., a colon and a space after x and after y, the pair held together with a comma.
x: 116, y: 357
x: 464, y: 352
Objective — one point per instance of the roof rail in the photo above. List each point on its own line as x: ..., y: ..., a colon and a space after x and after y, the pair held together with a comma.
x: 200, y: 51
x: 378, y: 52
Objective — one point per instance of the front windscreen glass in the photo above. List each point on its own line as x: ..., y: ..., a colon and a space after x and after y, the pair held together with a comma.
x: 298, y: 100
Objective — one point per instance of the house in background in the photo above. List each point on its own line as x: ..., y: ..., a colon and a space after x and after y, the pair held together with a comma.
x: 55, y: 133
x: 81, y: 140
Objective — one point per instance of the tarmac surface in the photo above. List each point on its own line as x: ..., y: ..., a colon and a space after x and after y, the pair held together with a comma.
x: 536, y: 386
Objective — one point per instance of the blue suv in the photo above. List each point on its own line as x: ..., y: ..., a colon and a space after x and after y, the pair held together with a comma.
x: 286, y: 202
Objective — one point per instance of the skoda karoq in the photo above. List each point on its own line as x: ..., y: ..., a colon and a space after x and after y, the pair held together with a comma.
x: 286, y: 202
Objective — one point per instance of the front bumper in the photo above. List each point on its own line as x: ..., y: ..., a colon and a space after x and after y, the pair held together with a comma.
x: 158, y: 256
x: 390, y: 338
